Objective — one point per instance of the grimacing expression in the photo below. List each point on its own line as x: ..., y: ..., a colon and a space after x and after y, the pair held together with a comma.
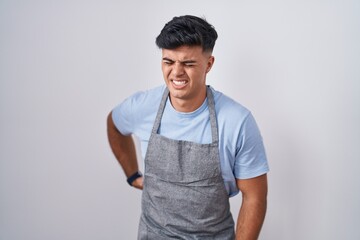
x: 184, y: 70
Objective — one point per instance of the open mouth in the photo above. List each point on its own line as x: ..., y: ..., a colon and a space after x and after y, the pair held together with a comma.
x: 179, y: 83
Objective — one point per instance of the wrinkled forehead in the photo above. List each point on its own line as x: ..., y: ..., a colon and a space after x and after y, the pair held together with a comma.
x: 184, y: 53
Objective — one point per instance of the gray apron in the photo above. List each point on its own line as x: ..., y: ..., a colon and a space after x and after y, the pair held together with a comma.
x: 184, y: 195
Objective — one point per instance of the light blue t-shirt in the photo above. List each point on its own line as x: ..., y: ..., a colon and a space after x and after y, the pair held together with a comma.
x: 241, y: 148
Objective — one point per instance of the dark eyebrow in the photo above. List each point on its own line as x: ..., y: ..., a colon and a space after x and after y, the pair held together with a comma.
x: 183, y: 62
x: 167, y: 59
x: 188, y: 61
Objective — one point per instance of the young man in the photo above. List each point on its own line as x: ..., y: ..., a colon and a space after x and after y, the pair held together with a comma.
x: 201, y: 146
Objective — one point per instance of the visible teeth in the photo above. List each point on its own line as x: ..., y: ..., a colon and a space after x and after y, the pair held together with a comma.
x: 179, y: 83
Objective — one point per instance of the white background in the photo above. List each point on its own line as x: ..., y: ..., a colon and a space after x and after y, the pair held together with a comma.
x: 65, y: 64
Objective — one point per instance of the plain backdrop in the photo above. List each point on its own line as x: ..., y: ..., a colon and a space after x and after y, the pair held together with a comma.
x: 65, y: 64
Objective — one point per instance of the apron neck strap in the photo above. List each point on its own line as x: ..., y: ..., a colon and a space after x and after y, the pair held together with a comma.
x: 213, y: 123
x: 211, y: 107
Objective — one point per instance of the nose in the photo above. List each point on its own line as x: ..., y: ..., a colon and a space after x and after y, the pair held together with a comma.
x: 178, y: 69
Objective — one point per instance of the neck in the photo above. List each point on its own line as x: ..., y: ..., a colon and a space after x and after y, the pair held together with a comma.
x: 188, y: 105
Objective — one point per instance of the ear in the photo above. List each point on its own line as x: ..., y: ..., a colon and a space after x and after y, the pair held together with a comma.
x: 210, y: 63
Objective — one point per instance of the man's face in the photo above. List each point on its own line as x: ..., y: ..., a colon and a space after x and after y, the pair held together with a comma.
x: 184, y: 70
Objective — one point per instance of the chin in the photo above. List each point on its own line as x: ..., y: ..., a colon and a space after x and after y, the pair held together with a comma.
x: 179, y: 94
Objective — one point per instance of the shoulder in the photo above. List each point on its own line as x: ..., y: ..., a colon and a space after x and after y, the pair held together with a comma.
x: 134, y: 110
x: 147, y: 97
x: 142, y: 102
x: 228, y: 109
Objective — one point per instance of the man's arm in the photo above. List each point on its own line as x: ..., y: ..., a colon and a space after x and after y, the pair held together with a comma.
x: 253, y: 208
x: 123, y: 148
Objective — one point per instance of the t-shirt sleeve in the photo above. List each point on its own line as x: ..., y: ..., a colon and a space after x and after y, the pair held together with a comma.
x: 137, y: 112
x: 123, y: 116
x: 250, y: 157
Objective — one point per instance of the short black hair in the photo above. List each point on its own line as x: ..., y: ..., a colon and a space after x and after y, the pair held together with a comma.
x: 187, y: 30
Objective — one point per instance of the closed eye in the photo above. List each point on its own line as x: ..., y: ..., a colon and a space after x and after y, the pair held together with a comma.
x: 168, y: 61
x: 189, y: 63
